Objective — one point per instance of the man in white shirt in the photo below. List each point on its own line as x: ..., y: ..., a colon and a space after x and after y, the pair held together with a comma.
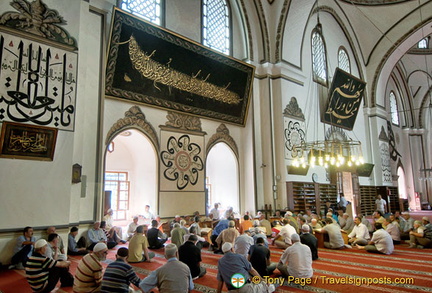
x: 380, y: 204
x: 359, y: 234
x: 132, y: 227
x: 243, y: 243
x: 147, y: 213
x: 296, y: 260
x: 283, y: 238
x: 381, y: 241
x: 215, y: 212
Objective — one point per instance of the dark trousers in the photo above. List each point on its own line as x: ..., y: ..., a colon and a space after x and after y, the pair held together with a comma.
x: 56, y: 274
x: 159, y: 243
x: 22, y: 255
x: 110, y: 244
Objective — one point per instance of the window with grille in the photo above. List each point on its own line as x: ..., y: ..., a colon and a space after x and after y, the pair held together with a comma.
x: 423, y: 44
x: 147, y: 9
x: 394, y: 109
x: 319, y: 62
x: 118, y: 184
x: 216, y: 25
x: 343, y: 60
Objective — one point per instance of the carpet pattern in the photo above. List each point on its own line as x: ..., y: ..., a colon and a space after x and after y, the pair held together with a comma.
x: 334, y: 271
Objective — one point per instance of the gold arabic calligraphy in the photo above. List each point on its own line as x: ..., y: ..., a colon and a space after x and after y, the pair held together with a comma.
x: 35, y: 143
x: 168, y: 76
x: 344, y: 101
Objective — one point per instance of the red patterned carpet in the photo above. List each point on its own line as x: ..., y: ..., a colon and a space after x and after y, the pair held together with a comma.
x: 406, y: 270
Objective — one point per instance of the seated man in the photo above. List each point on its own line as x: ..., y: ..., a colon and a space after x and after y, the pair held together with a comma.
x: 283, y: 238
x: 221, y: 225
x: 109, y: 220
x: 421, y: 235
x: 89, y: 272
x: 43, y: 273
x: 53, y: 249
x: 73, y: 247
x: 131, y: 227
x: 96, y: 235
x: 119, y: 274
x: 393, y: 230
x: 156, y: 237
x: 138, y: 247
x: 228, y: 235
x: 52, y: 230
x: 360, y: 234
x: 335, y: 236
x: 381, y: 241
x: 177, y: 235
x: 243, y: 243
x: 232, y: 263
x: 296, y: 260
x: 190, y: 254
x: 310, y: 240
x: 266, y: 224
x: 315, y: 224
x: 246, y: 224
x: 23, y: 248
x: 111, y: 235
x: 378, y: 217
x: 349, y: 223
x: 173, y: 276
x: 259, y: 257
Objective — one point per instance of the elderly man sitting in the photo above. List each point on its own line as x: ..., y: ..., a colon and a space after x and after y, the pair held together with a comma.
x: 43, y: 273
x: 296, y: 260
x: 422, y: 234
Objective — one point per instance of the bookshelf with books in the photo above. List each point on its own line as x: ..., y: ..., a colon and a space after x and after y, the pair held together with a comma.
x: 328, y: 192
x: 367, y: 200
x: 302, y: 196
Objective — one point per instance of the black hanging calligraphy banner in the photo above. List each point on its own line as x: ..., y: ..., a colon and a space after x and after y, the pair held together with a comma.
x: 345, y: 97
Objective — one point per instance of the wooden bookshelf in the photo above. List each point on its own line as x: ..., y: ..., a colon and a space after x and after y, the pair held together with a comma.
x: 367, y: 200
x: 393, y: 198
x: 302, y: 196
x: 328, y: 192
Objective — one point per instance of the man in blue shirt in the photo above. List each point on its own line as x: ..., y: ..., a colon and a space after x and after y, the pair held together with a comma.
x: 221, y: 225
x: 23, y: 249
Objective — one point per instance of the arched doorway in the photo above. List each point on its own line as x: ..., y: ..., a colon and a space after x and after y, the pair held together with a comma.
x: 130, y: 175
x: 222, y: 178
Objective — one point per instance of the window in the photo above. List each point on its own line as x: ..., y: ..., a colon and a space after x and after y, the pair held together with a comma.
x: 423, y: 44
x: 147, y: 9
x: 319, y: 63
x: 118, y: 184
x: 343, y: 60
x: 394, y: 109
x: 216, y: 25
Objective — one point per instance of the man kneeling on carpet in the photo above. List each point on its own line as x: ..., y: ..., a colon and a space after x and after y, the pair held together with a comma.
x: 232, y: 265
x: 119, y: 275
x: 43, y: 273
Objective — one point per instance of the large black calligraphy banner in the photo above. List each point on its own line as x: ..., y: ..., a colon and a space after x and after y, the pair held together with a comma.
x: 346, y: 93
x: 37, y: 83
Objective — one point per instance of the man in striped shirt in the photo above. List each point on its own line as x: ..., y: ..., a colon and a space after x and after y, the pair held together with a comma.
x: 119, y: 274
x: 43, y: 273
x: 88, y: 276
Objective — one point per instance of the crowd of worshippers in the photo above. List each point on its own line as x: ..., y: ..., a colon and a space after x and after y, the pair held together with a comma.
x: 243, y: 242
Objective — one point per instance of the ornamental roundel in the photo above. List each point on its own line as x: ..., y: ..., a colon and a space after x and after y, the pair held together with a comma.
x: 183, y: 162
x: 294, y: 136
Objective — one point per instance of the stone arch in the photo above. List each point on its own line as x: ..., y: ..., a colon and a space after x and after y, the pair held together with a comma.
x: 222, y: 135
x: 134, y: 118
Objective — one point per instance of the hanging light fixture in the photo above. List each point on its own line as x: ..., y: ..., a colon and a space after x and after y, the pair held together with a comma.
x: 326, y: 153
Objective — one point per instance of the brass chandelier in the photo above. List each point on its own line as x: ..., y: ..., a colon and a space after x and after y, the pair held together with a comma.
x: 326, y: 153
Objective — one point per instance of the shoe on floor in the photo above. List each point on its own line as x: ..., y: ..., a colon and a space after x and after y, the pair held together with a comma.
x: 11, y: 267
x: 348, y: 246
x: 420, y: 246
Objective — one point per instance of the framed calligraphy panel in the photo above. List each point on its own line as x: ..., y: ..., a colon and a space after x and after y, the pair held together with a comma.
x: 38, y: 83
x: 346, y: 94
x: 24, y: 141
x: 151, y: 65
